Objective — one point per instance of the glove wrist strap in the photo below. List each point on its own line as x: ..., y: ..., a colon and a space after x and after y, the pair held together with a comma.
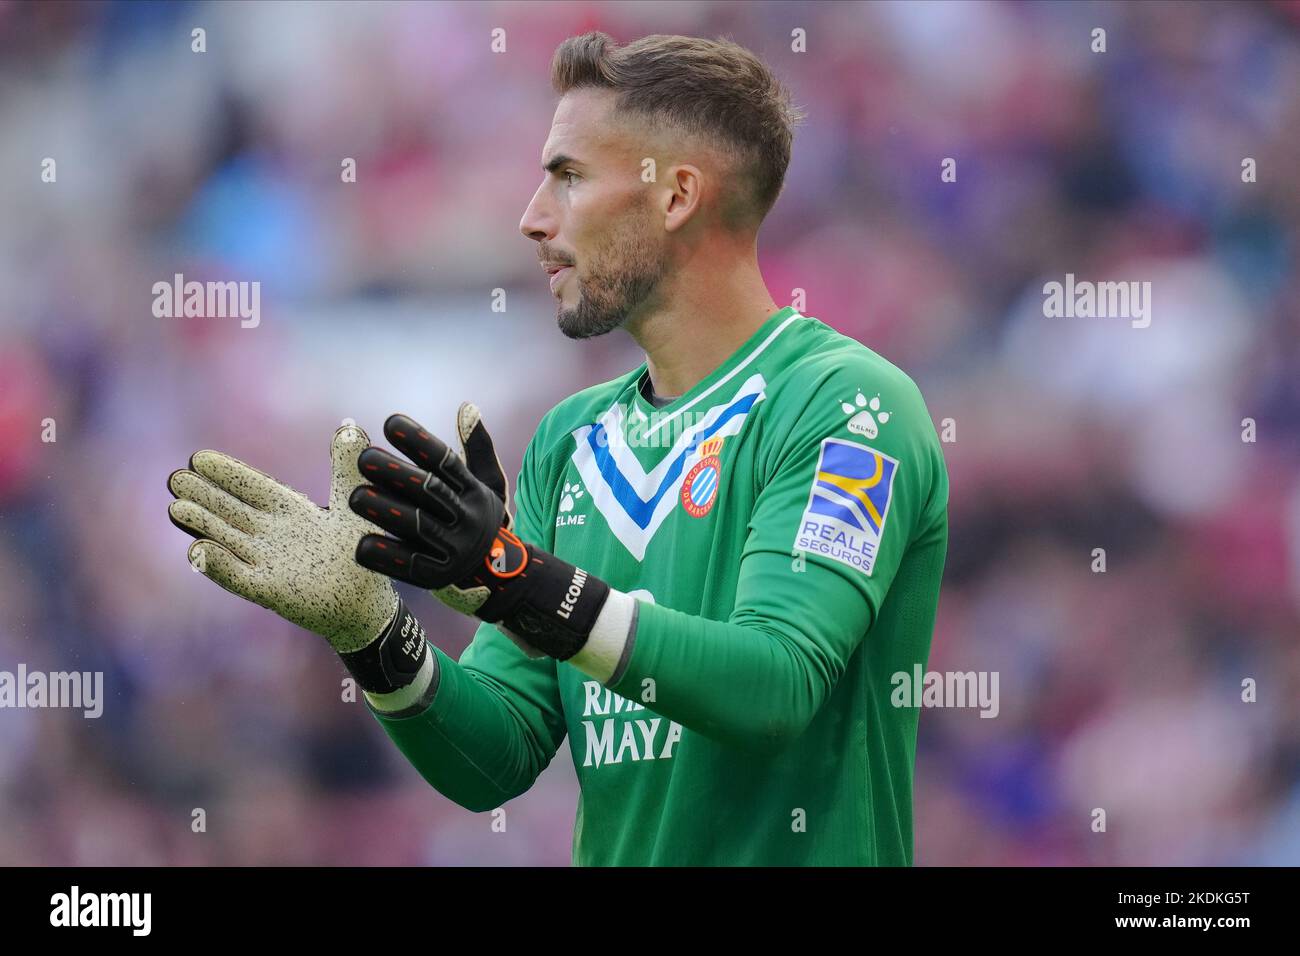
x: 393, y: 659
x: 558, y: 606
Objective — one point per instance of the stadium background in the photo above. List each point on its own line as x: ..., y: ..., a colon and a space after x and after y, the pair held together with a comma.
x: 1119, y: 690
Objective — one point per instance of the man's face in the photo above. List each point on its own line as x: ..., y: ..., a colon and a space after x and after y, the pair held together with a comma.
x: 594, y: 216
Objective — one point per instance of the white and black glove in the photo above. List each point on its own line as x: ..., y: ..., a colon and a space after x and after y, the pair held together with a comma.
x: 274, y: 546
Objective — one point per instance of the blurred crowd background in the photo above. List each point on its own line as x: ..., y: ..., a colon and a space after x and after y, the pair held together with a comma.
x: 1120, y: 690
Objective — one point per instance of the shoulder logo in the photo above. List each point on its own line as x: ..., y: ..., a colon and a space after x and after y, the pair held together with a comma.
x: 848, y: 504
x: 700, y: 489
x: 867, y: 416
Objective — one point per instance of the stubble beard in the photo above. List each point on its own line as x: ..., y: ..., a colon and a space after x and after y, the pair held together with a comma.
x: 618, y: 283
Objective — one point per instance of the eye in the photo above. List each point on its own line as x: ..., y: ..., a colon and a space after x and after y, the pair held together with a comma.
x: 569, y: 176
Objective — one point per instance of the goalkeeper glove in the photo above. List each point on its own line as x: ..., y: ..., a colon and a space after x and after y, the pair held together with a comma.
x: 451, y: 533
x: 272, y: 545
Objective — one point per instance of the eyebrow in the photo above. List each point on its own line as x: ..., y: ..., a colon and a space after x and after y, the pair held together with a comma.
x: 558, y: 161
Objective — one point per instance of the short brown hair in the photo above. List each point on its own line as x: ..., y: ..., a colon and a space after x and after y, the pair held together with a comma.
x: 712, y: 88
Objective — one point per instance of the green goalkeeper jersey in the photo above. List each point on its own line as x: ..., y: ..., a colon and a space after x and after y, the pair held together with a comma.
x: 783, y: 526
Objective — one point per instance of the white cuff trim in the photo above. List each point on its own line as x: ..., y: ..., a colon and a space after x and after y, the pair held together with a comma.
x: 404, y: 697
x: 601, y: 654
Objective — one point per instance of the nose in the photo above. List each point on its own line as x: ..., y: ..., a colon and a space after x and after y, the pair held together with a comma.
x: 538, y: 222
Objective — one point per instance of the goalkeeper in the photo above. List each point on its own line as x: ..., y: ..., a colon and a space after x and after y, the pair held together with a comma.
x: 714, y: 565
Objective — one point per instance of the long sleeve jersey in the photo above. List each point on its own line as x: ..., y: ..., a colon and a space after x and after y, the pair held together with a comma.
x: 783, y: 527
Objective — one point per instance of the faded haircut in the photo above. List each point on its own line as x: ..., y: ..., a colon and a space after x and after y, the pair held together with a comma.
x: 712, y: 89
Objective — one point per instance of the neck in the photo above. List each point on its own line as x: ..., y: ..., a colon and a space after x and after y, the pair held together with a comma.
x: 703, y: 315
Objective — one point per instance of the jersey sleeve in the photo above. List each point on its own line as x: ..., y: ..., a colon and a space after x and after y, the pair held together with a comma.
x: 845, y: 494
x: 495, y: 719
x: 841, y: 496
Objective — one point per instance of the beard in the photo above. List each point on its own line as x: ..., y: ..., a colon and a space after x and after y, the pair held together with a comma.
x: 619, y: 281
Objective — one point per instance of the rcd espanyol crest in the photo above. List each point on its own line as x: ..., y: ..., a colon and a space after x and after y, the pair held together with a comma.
x: 700, y: 489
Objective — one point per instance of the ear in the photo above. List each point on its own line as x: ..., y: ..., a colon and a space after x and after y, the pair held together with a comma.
x: 685, y: 185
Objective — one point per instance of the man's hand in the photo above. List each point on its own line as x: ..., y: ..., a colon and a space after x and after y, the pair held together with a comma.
x: 451, y: 533
x: 272, y: 545
x: 480, y: 454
